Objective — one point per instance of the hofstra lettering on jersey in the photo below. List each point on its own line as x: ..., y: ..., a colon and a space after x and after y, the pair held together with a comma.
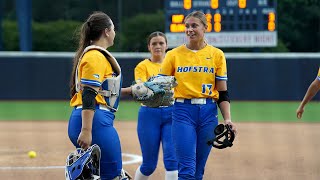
x: 195, y: 69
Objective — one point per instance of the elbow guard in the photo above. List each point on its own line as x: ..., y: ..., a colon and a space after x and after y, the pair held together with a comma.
x: 223, y: 96
x: 88, y: 98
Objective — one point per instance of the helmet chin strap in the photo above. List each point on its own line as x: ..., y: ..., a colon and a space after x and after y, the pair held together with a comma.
x: 222, y: 131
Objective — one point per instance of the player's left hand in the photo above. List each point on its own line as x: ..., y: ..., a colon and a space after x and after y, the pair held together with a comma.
x: 232, y: 125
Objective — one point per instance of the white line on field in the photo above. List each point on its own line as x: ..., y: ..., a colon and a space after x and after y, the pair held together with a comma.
x: 134, y: 159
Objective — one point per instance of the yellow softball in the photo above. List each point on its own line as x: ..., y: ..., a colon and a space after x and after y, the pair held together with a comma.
x: 32, y: 154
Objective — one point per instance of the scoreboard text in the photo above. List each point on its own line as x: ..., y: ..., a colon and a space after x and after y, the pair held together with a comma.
x: 231, y: 23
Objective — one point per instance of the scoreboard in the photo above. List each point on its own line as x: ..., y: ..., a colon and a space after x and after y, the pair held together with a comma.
x: 231, y: 23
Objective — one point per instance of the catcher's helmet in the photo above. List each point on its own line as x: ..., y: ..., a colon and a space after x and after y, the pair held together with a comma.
x: 222, y: 131
x: 83, y: 164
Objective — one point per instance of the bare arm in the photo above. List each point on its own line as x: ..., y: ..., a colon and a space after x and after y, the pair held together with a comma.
x: 85, y: 136
x: 87, y: 115
x: 224, y: 106
x: 311, y: 92
x: 126, y: 91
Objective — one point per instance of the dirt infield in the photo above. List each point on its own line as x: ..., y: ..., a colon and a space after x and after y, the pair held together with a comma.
x: 262, y: 151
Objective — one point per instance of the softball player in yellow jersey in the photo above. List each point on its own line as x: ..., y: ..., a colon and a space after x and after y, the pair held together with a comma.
x: 154, y: 124
x: 93, y: 99
x: 201, y: 73
x: 311, y: 92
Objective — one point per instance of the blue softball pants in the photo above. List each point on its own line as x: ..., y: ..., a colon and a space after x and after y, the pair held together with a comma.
x: 193, y: 125
x: 105, y: 136
x: 154, y: 127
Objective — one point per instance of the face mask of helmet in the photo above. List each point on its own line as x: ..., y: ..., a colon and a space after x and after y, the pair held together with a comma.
x: 83, y: 164
x: 224, y: 137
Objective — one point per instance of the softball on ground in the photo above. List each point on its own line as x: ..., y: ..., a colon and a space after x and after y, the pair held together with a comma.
x: 32, y: 154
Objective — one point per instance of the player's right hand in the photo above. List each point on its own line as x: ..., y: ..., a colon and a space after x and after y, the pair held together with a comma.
x: 84, y: 139
x: 232, y: 125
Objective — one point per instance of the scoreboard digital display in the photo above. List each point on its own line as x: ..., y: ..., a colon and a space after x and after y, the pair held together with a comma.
x: 231, y: 23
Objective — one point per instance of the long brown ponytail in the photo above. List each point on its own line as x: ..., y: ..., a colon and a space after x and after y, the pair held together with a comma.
x: 90, y: 30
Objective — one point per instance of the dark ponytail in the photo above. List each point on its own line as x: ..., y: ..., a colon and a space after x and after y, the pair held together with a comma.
x: 90, y: 30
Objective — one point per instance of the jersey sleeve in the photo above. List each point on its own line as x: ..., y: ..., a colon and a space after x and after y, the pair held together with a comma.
x: 221, y: 71
x: 318, y: 76
x: 140, y: 72
x: 93, y: 68
x: 167, y: 66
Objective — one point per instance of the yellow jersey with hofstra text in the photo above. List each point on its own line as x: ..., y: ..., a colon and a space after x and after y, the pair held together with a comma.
x: 196, y: 71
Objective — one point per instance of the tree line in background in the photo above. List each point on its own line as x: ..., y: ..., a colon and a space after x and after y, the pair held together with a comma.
x: 56, y: 24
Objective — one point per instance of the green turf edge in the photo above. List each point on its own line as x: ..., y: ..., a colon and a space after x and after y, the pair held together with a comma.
x: 242, y: 111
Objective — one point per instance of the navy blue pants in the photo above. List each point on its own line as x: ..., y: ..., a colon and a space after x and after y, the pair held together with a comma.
x: 105, y: 136
x: 154, y: 127
x: 192, y: 127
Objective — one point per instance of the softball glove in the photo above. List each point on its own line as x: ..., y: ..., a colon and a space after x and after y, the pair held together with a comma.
x: 157, y: 91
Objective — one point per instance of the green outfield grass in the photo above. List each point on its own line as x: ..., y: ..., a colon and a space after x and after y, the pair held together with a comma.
x: 244, y: 111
